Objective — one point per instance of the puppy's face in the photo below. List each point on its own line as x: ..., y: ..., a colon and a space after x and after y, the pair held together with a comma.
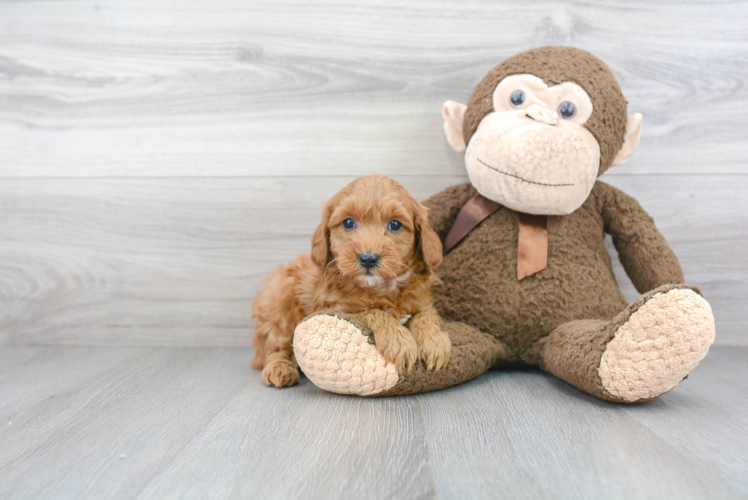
x: 374, y: 231
x: 372, y: 240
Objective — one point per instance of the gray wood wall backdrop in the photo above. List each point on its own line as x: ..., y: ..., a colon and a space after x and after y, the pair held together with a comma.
x: 157, y: 158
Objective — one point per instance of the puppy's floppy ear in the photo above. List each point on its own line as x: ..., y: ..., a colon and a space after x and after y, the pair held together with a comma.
x: 321, y: 240
x: 428, y: 243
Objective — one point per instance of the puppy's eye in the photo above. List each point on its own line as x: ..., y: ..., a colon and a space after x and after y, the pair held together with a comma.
x: 395, y: 225
x: 517, y: 98
x: 567, y: 110
x: 349, y: 224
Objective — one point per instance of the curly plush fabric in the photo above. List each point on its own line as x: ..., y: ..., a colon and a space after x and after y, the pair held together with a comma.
x: 479, y: 284
x: 643, y: 352
x: 473, y: 353
x: 337, y: 354
x: 336, y: 351
x: 556, y: 65
x: 617, y: 360
x: 660, y: 343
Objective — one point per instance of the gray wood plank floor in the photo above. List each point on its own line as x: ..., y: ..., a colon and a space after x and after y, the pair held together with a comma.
x: 171, y: 422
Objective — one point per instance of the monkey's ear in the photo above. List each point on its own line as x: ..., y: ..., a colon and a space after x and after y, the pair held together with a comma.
x: 630, y: 140
x: 453, y: 114
x: 321, y: 242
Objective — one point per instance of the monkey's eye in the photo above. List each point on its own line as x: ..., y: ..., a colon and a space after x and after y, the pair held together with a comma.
x: 567, y: 110
x: 517, y: 98
x: 349, y: 224
x: 395, y: 225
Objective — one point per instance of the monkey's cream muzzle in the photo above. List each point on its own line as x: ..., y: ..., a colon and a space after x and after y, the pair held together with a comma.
x: 536, y: 165
x: 529, y: 158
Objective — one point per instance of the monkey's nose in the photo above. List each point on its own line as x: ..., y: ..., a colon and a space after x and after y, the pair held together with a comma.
x: 542, y: 115
x: 368, y: 260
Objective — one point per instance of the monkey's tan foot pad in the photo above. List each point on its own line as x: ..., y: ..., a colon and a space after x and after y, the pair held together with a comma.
x: 660, y: 343
x: 336, y: 354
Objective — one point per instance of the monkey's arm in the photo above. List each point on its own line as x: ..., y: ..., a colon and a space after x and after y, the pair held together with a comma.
x: 444, y: 207
x: 643, y: 251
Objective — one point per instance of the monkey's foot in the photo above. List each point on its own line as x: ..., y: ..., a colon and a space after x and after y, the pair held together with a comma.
x: 658, y: 345
x: 335, y: 352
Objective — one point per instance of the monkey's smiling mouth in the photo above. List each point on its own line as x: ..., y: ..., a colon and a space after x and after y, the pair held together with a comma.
x: 520, y: 178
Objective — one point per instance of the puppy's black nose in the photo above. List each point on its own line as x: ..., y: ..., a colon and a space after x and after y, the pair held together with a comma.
x: 368, y: 260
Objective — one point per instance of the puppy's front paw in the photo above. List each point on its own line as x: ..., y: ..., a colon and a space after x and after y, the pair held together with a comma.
x: 434, y: 347
x: 397, y: 346
x: 280, y: 373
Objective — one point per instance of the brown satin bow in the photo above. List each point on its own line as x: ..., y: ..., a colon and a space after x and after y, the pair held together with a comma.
x: 532, y: 245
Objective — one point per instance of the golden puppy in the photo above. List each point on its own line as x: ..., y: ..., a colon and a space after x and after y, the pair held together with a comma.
x: 373, y: 255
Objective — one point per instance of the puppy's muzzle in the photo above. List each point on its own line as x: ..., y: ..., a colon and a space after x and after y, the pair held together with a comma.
x: 368, y: 260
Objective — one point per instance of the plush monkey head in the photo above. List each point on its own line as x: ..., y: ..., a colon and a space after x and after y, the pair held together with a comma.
x: 540, y: 127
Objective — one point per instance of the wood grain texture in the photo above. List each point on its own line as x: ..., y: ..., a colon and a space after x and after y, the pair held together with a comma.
x: 149, y: 422
x: 158, y: 159
x: 177, y: 261
x: 150, y: 261
x: 264, y: 87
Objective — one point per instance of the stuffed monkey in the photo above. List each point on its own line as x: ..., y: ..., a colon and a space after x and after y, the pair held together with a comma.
x: 526, y: 279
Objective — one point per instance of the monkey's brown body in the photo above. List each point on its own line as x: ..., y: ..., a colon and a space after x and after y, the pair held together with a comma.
x: 577, y: 284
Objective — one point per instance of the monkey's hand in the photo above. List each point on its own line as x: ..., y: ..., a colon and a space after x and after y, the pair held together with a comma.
x: 393, y: 340
x: 434, y: 346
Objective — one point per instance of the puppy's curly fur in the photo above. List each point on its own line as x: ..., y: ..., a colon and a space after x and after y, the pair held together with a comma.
x: 361, y: 263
